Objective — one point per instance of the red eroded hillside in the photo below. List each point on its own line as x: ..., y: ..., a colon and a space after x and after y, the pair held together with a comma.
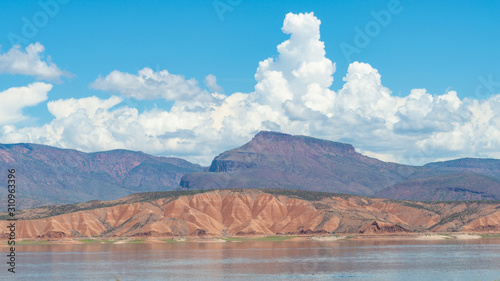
x: 253, y: 212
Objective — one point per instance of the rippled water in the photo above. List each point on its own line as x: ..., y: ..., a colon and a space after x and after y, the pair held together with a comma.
x: 264, y: 260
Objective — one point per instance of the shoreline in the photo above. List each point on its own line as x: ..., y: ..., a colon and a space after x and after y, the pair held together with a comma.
x: 255, y: 238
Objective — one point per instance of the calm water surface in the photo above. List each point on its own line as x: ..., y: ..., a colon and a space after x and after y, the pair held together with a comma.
x: 263, y: 260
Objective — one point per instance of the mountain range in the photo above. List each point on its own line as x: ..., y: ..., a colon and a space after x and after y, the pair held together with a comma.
x: 51, y: 176
x: 277, y: 160
x: 47, y: 175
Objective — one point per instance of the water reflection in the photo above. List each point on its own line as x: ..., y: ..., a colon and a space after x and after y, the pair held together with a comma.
x: 267, y: 260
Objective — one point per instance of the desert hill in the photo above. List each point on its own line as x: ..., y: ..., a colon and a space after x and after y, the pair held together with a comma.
x: 233, y: 212
x: 48, y: 175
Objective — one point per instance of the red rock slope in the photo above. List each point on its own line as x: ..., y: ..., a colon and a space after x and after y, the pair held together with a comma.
x: 253, y: 212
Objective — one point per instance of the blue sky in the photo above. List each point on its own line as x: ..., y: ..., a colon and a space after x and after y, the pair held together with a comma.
x: 425, y: 44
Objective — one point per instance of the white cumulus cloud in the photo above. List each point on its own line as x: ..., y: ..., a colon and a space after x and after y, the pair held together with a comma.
x: 13, y: 101
x: 211, y: 83
x: 30, y: 62
x: 148, y: 85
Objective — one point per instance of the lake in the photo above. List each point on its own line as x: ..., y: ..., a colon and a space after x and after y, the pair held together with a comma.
x: 450, y: 259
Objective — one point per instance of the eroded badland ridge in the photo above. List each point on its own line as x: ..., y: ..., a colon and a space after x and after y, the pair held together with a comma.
x: 218, y: 213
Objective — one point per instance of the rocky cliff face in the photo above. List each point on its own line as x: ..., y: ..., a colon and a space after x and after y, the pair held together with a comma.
x: 253, y: 212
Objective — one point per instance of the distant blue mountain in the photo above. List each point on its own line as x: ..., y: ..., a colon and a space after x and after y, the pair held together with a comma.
x: 48, y: 175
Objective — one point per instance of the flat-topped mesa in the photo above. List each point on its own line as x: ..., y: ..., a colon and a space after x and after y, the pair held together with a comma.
x: 278, y: 160
x: 269, y: 146
x: 228, y: 165
x: 274, y: 137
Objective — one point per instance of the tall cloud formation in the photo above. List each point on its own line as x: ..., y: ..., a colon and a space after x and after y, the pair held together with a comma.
x: 292, y: 95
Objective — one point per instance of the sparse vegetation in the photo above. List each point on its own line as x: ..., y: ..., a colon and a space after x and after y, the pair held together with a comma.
x: 496, y: 235
x: 307, y: 195
x: 32, y: 242
x: 135, y: 241
x: 274, y: 238
x: 463, y: 216
x: 230, y: 239
x: 423, y: 206
x: 266, y: 238
x: 173, y: 241
x: 94, y: 241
